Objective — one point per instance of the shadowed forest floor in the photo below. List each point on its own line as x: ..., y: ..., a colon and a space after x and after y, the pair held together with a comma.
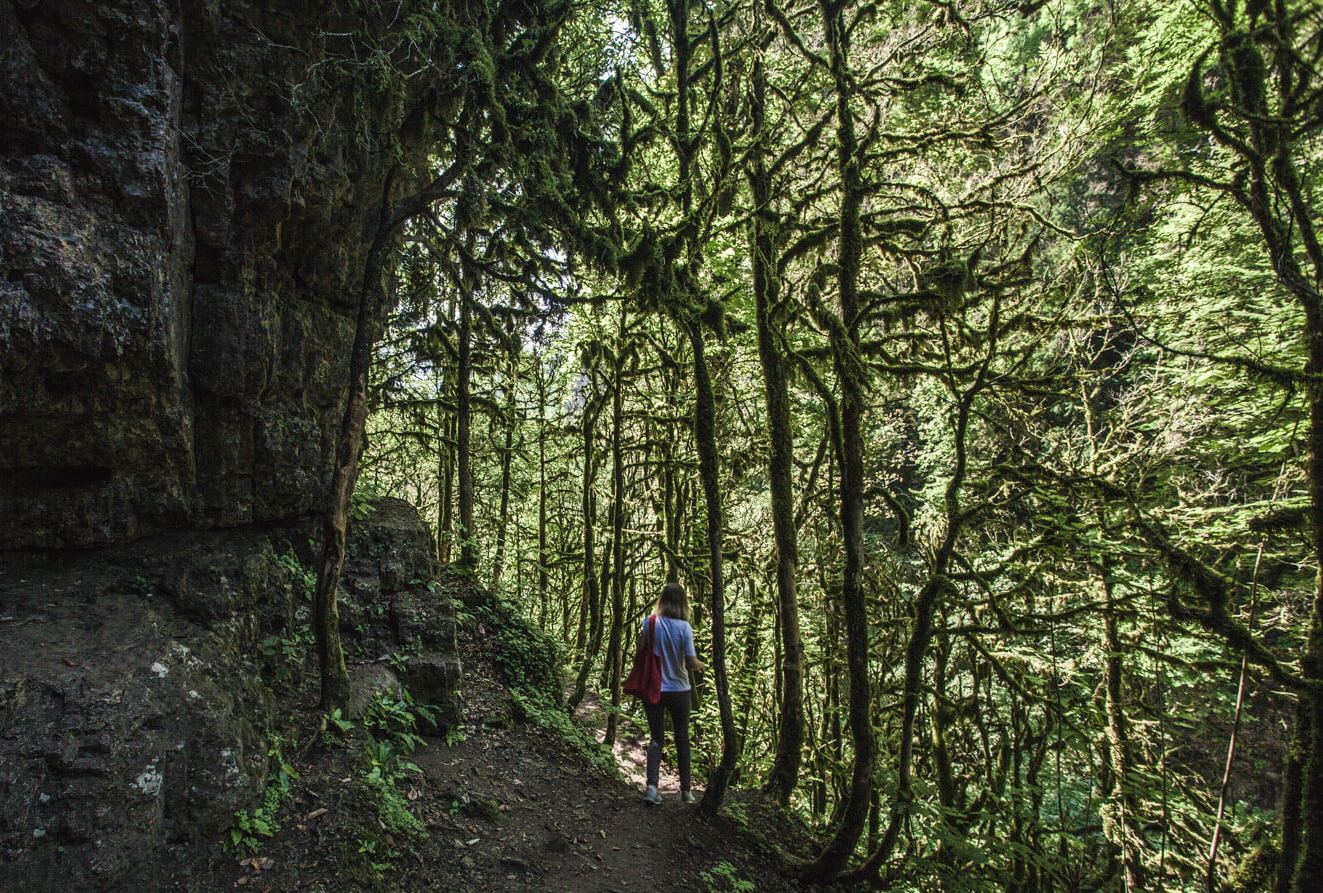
x: 510, y: 807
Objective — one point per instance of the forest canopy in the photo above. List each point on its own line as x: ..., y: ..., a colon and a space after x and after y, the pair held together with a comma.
x: 961, y: 359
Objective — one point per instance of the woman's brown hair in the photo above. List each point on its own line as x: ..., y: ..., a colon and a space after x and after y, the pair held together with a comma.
x: 673, y: 602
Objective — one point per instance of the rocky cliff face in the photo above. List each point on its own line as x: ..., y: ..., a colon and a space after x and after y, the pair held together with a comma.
x: 187, y: 192
x: 142, y: 687
x: 187, y: 189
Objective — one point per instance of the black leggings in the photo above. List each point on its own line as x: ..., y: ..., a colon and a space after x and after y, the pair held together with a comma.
x: 677, y: 704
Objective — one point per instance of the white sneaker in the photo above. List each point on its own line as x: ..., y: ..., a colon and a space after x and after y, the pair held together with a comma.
x: 688, y: 797
x: 651, y: 797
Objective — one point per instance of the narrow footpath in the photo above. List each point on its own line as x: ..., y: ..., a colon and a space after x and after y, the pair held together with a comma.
x: 510, y: 807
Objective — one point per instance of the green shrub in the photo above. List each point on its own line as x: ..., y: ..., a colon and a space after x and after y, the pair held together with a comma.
x: 305, y: 578
x: 288, y: 654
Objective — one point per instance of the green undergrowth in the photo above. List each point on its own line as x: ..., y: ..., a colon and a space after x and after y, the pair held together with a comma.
x: 724, y: 878
x: 553, y: 718
x: 379, y: 825
x: 252, y: 827
x: 528, y: 659
x: 384, y: 827
x: 529, y: 662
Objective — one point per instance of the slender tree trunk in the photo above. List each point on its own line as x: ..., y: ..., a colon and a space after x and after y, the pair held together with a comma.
x: 850, y: 374
x: 507, y: 455
x: 705, y: 412
x: 468, y: 555
x: 748, y: 673
x: 446, y: 542
x: 349, y: 445
x: 1119, y: 815
x: 784, y: 772
x: 542, y: 582
x: 442, y: 455
x: 605, y: 566
x: 448, y: 497
x: 588, y: 618
x: 615, y: 651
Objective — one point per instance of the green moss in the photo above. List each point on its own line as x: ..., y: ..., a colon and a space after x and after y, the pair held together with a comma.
x: 528, y: 659
x: 554, y: 719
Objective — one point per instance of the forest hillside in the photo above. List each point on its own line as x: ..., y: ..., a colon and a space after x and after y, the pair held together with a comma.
x: 960, y: 360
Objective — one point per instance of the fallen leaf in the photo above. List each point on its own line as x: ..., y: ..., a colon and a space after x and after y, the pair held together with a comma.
x: 243, y: 881
x: 69, y: 661
x: 316, y: 814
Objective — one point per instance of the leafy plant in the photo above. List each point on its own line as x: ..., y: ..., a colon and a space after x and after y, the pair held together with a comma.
x: 390, y: 727
x: 337, y: 719
x: 305, y: 578
x: 362, y: 505
x: 723, y: 878
x: 289, y: 652
x: 400, y: 657
x: 251, y: 829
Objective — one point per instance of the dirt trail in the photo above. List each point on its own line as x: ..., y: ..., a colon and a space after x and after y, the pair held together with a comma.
x: 563, y: 824
x: 511, y: 807
x: 630, y: 747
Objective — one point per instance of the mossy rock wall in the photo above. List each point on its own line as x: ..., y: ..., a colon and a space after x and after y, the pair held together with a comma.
x: 187, y: 194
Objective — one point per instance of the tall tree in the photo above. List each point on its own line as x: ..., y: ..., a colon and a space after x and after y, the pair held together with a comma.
x: 771, y: 321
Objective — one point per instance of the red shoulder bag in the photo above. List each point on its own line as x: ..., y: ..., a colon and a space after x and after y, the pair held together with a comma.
x: 644, y: 678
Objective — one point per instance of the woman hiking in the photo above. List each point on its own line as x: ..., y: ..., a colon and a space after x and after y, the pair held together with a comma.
x: 673, y: 644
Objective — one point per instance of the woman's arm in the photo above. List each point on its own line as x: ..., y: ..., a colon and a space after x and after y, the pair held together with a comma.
x: 694, y: 663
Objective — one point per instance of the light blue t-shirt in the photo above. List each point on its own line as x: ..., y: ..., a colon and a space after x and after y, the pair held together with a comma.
x: 675, y: 642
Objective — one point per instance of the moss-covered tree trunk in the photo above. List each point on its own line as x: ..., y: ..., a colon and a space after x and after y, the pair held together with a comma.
x: 1119, y: 814
x: 333, y: 673
x: 543, y: 584
x: 615, y: 646
x: 850, y: 376
x: 782, y: 777
x: 507, y: 453
x: 705, y: 437
x: 589, y: 624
